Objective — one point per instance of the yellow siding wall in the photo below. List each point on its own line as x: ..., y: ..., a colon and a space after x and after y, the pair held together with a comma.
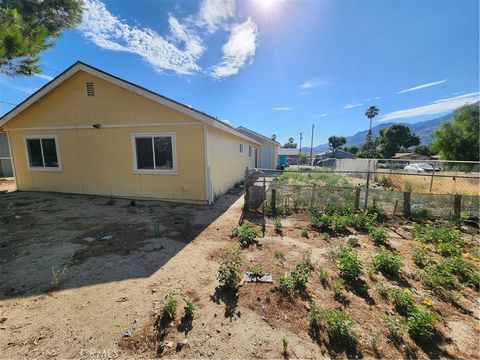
x: 99, y: 161
x: 226, y: 163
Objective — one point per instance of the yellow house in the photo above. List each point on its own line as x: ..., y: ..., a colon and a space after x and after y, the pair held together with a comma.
x: 268, y: 149
x: 89, y: 132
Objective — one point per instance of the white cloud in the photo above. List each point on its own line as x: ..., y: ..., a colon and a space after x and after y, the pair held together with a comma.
x: 44, y: 76
x: 436, y: 107
x: 283, y: 108
x: 351, y: 106
x: 321, y: 115
x: 214, y: 13
x: 313, y: 83
x: 193, y: 43
x: 377, y: 98
x: 238, y: 50
x: 109, y: 32
x: 423, y: 86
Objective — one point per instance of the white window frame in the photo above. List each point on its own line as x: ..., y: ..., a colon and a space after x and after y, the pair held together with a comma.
x: 242, y: 149
x: 136, y: 170
x: 250, y: 151
x: 57, y: 149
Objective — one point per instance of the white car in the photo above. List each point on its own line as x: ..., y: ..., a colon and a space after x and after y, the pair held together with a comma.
x: 419, y: 168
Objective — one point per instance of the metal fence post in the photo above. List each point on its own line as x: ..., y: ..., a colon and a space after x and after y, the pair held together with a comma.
x: 406, y: 203
x: 274, y: 201
x: 431, y: 180
x: 457, y: 204
x: 367, y: 185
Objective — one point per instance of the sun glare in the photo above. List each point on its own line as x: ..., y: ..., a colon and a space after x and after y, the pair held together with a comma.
x: 267, y: 4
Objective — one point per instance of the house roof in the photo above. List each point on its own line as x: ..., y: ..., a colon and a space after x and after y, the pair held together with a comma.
x: 80, y: 66
x: 288, y: 151
x: 254, y: 133
x: 331, y: 152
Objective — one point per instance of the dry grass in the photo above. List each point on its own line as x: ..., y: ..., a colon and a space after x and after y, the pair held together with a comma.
x: 441, y: 184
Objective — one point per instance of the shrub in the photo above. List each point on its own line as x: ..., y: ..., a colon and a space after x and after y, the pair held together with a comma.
x: 402, y: 298
x: 111, y: 201
x: 314, y: 316
x: 256, y: 272
x: 167, y: 312
x: 438, y: 279
x: 422, y: 257
x: 387, y: 262
x: 189, y: 308
x: 378, y: 235
x: 229, y: 269
x: 363, y: 220
x: 304, y: 232
x: 348, y: 263
x: 301, y: 271
x: 446, y: 239
x: 278, y: 226
x: 338, y: 288
x: 396, y: 327
x: 246, y: 233
x: 286, y: 284
x: 421, y: 323
x: 339, y: 324
x: 323, y: 276
x: 465, y: 271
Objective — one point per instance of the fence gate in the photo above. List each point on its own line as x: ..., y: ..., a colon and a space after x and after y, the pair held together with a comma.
x: 254, y: 189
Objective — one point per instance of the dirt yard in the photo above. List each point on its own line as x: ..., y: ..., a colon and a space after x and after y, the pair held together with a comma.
x: 67, y: 293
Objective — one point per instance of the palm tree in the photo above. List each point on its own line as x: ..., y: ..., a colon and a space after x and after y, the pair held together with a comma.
x: 371, y: 112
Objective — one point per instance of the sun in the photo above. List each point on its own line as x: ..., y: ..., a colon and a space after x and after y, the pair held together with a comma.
x: 267, y: 4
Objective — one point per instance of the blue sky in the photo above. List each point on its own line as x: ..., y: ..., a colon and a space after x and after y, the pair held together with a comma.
x: 278, y: 66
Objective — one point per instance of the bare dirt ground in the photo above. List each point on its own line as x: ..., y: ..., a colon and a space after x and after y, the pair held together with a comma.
x: 66, y: 293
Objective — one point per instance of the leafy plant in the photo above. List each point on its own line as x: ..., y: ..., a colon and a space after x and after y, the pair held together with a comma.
x: 111, y: 201
x: 304, y: 232
x: 302, y: 271
x: 278, y: 226
x: 229, y: 269
x: 314, y: 316
x: 256, y: 272
x: 396, y: 327
x: 465, y: 271
x: 348, y: 263
x: 378, y: 235
x: 403, y: 300
x: 189, y: 308
x: 440, y: 281
x: 422, y: 257
x: 246, y: 233
x: 167, y: 312
x: 323, y: 276
x: 286, y: 284
x: 338, y: 288
x: 285, y: 346
x: 339, y: 324
x: 446, y: 239
x: 421, y: 323
x: 387, y: 262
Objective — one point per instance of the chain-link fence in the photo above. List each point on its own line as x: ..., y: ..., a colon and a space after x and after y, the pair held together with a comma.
x: 399, y: 187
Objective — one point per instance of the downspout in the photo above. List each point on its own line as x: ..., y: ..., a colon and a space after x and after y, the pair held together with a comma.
x: 208, y: 173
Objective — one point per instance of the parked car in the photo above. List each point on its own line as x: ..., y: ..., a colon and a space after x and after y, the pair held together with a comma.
x: 325, y: 162
x: 420, y: 168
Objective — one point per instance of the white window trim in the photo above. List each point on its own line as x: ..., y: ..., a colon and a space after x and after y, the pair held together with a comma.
x: 57, y: 149
x: 241, y: 147
x: 136, y: 170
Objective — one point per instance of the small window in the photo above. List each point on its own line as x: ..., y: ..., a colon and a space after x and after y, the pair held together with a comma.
x: 42, y: 152
x: 154, y: 153
x: 241, y: 148
x: 249, y: 150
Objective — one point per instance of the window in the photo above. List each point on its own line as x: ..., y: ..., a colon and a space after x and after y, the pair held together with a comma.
x: 241, y: 148
x: 154, y: 153
x: 249, y: 150
x: 42, y: 152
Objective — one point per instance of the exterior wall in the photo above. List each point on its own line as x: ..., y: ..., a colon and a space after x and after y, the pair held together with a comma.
x: 226, y: 163
x: 99, y: 161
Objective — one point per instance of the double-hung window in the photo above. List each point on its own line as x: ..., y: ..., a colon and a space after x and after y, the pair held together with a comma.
x: 154, y: 153
x: 241, y: 148
x: 249, y: 150
x: 42, y: 153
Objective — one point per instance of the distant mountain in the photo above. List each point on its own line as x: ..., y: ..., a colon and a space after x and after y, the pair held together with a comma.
x: 423, y: 129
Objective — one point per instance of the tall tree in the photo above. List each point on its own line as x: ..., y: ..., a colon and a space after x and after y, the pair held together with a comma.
x: 291, y: 144
x: 458, y: 140
x: 352, y: 149
x: 336, y: 142
x: 28, y: 27
x: 274, y: 137
x: 395, y: 137
x: 371, y: 112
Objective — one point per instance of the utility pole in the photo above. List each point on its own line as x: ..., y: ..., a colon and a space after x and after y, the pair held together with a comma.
x: 301, y: 137
x: 311, y: 146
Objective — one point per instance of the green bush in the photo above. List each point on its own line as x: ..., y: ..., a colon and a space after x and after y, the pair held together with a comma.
x: 338, y: 323
x: 246, y: 233
x: 378, y: 235
x: 256, y: 272
x: 302, y: 271
x: 286, y: 284
x: 440, y: 281
x: 466, y: 272
x: 363, y: 220
x: 167, y: 312
x: 278, y: 226
x: 403, y: 300
x: 387, y: 262
x: 304, y: 232
x: 396, y: 327
x: 189, y: 308
x: 229, y: 269
x: 422, y: 257
x: 323, y: 276
x: 348, y: 263
x: 421, y: 323
x: 446, y: 239
x: 338, y: 288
